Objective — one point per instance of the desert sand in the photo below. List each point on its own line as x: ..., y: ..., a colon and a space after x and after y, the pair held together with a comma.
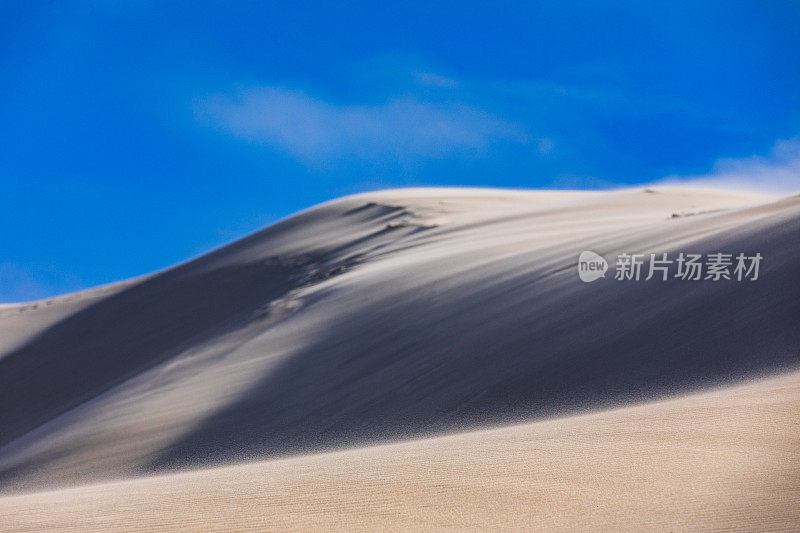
x: 723, y: 460
x: 421, y: 358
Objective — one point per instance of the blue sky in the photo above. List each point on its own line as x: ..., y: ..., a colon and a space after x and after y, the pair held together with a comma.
x: 136, y: 134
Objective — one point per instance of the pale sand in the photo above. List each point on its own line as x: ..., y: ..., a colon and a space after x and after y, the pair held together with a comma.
x: 417, y: 312
x: 728, y: 459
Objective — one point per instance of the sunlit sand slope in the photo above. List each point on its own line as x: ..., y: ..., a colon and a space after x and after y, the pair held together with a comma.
x: 720, y: 460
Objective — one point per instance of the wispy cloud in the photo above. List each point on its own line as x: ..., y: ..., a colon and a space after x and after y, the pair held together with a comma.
x: 777, y: 172
x: 318, y: 132
x: 431, y: 79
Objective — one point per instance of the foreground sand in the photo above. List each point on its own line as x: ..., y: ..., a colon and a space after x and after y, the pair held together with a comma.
x: 718, y: 460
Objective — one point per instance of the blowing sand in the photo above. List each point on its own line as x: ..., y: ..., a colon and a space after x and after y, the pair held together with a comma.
x: 403, y: 316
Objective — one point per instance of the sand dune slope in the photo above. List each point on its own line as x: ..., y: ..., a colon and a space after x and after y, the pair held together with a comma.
x: 724, y: 460
x: 388, y: 316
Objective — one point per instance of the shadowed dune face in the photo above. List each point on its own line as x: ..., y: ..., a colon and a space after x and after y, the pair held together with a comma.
x: 125, y: 334
x: 518, y: 344
x: 397, y: 314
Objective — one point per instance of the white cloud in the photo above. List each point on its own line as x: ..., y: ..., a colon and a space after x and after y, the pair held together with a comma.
x: 778, y: 172
x: 317, y: 132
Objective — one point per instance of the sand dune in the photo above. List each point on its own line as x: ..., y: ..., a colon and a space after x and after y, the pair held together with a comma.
x: 409, y: 313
